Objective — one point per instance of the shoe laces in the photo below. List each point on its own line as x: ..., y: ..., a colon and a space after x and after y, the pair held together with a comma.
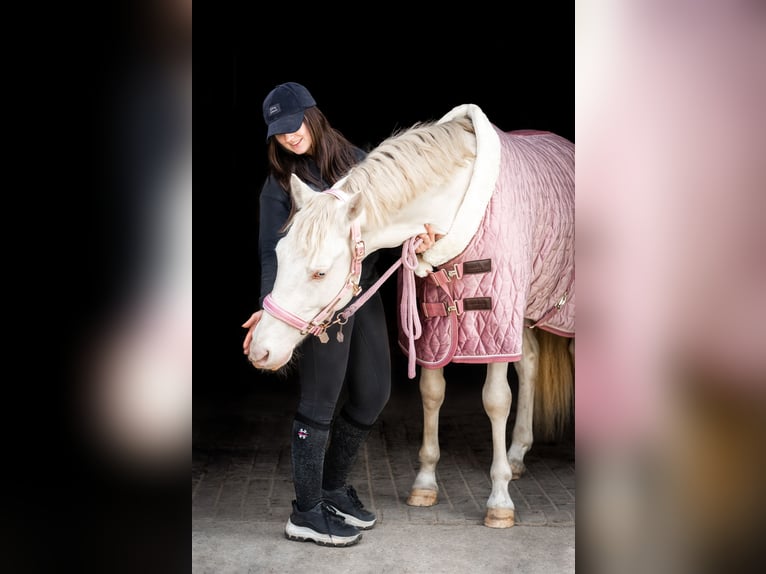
x: 351, y: 491
x: 331, y: 515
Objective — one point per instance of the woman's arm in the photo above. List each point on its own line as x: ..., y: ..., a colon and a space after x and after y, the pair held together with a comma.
x: 274, y: 211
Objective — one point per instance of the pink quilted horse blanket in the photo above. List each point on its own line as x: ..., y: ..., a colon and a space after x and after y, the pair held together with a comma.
x: 508, y: 262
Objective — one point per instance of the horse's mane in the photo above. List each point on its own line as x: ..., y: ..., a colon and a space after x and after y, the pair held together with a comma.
x: 392, y: 174
x: 407, y: 162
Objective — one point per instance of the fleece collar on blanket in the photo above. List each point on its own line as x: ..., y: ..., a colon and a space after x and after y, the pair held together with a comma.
x: 471, y: 211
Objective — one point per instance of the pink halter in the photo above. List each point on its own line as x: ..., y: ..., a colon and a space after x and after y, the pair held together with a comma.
x: 408, y: 307
x: 319, y: 324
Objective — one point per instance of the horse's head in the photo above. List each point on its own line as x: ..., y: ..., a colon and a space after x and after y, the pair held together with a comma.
x: 318, y: 267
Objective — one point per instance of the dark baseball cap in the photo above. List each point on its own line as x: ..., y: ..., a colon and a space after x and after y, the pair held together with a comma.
x: 284, y: 106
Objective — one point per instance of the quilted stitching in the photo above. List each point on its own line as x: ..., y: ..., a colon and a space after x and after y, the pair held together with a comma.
x: 528, y: 231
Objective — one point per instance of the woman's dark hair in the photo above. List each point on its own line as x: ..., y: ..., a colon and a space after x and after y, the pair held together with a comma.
x: 331, y: 152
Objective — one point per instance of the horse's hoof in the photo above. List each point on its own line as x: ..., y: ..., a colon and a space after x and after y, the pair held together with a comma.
x: 517, y: 470
x: 421, y: 497
x: 499, y: 518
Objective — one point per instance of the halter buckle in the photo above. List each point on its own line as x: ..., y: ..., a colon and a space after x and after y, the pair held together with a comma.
x: 355, y: 287
x: 359, y: 249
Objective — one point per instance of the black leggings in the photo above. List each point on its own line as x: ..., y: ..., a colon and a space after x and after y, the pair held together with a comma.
x: 363, y: 360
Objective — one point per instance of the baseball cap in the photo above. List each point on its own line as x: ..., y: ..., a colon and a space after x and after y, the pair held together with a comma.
x: 283, y: 108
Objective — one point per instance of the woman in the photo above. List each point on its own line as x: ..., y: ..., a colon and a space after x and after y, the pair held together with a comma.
x: 326, y: 509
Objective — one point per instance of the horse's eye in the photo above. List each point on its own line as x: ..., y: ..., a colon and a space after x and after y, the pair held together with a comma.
x: 318, y: 275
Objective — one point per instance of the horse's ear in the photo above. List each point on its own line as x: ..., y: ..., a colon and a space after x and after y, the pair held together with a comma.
x: 299, y: 191
x: 355, y: 207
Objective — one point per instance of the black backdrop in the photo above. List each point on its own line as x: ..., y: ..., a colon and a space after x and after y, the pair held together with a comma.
x: 77, y: 239
x: 370, y: 77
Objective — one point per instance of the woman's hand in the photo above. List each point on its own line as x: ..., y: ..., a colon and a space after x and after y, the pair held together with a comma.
x: 429, y: 238
x: 250, y: 326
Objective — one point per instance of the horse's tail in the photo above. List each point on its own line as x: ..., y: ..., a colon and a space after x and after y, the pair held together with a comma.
x: 554, y: 388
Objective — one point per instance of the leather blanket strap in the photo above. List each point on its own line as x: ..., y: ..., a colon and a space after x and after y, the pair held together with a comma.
x: 445, y: 278
x: 444, y: 275
x: 457, y: 306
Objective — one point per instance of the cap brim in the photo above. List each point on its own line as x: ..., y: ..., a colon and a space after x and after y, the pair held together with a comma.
x: 285, y: 125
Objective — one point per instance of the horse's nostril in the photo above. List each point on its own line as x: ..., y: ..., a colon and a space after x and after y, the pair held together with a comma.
x: 258, y: 356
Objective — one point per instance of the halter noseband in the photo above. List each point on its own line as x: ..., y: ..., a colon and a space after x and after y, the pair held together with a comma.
x: 322, y: 320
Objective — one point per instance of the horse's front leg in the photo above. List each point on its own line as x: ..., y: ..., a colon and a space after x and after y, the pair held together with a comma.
x: 424, y: 490
x: 526, y: 369
x: 496, y: 396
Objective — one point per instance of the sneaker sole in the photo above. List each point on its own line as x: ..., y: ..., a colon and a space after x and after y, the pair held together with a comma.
x: 303, y: 534
x: 353, y: 520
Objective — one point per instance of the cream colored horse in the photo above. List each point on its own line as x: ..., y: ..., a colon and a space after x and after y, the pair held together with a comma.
x: 420, y: 175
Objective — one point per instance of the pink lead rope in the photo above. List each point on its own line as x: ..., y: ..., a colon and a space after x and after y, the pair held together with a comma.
x: 408, y: 307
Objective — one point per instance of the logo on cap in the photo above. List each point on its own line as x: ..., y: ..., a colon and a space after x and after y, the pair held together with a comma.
x: 274, y: 109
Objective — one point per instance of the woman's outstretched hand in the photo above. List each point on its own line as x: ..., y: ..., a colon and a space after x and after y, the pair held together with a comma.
x: 429, y: 238
x: 250, y: 326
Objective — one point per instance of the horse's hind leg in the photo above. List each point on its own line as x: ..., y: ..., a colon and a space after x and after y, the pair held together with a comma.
x: 526, y: 369
x: 496, y: 396
x: 424, y: 490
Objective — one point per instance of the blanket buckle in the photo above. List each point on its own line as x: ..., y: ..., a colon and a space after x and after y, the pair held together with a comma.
x: 451, y: 308
x: 455, y: 272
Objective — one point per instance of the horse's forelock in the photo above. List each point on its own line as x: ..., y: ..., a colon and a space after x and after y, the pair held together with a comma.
x: 312, y: 223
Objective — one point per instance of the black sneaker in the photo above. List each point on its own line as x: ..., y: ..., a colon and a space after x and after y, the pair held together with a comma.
x: 321, y: 525
x: 347, y: 504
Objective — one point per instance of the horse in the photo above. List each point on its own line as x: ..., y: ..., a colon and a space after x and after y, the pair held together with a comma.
x: 467, y: 178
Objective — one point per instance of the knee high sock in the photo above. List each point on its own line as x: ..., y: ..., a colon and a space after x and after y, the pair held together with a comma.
x: 309, y: 442
x: 347, y: 437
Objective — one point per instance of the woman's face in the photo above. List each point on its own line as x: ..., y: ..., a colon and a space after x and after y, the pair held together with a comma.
x: 297, y: 142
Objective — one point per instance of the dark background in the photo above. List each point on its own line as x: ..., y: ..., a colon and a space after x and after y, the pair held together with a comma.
x: 373, y: 70
x: 104, y: 123
x: 370, y: 76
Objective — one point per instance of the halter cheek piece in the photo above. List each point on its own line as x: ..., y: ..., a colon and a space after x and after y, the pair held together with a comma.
x: 320, y: 323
